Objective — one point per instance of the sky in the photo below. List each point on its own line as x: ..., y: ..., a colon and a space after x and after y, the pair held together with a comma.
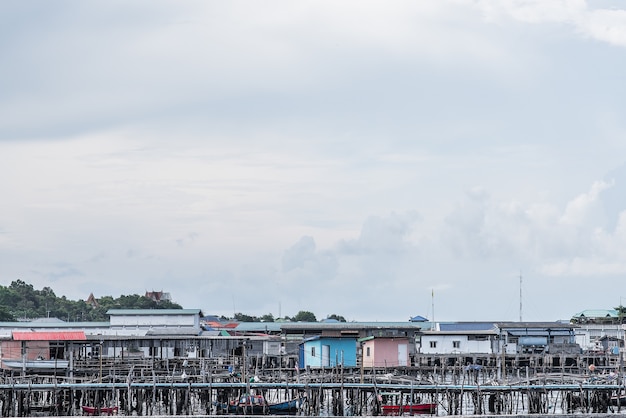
x: 462, y: 160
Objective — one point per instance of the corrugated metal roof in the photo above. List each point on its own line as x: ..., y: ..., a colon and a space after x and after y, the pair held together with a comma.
x: 535, y: 325
x: 372, y: 337
x: 467, y: 326
x: 258, y: 327
x: 320, y: 338
x: 154, y: 312
x: 536, y: 332
x: 48, y: 320
x: 49, y: 336
x: 174, y: 331
x: 351, y: 325
x: 597, y: 313
x: 222, y: 325
x: 54, y: 325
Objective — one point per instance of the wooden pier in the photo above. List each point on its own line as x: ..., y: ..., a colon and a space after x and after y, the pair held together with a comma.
x: 333, y: 399
x: 459, y: 385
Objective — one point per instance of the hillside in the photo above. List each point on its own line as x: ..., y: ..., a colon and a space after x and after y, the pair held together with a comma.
x: 21, y: 301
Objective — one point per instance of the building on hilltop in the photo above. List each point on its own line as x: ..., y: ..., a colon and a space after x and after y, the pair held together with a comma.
x: 158, y: 296
x: 92, y: 301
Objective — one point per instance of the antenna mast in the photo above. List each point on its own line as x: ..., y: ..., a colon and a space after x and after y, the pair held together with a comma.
x: 520, y: 296
x: 433, y: 304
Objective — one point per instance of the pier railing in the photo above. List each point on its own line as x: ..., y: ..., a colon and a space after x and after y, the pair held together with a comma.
x: 330, y: 399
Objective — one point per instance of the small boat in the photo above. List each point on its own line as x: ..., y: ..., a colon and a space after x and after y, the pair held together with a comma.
x: 249, y: 405
x: 36, y: 365
x: 290, y: 407
x: 99, y: 410
x: 618, y: 400
x: 411, y: 409
x: 223, y: 408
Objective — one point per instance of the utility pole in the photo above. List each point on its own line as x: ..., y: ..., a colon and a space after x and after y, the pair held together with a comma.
x: 100, y: 355
x: 243, y: 368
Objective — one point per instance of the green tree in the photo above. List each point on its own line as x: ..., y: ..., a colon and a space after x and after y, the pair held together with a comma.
x: 337, y: 317
x: 305, y: 316
x: 621, y: 313
x: 5, y: 316
x: 21, y: 300
x: 245, y: 318
x: 267, y: 318
x: 24, y: 301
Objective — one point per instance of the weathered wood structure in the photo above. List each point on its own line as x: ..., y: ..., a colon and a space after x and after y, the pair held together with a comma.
x: 197, y: 386
x: 167, y: 363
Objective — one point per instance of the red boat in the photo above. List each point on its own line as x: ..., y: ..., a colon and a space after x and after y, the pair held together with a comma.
x: 414, y: 409
x: 103, y: 410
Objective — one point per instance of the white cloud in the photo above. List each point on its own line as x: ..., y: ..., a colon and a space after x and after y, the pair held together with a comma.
x: 606, y: 25
x: 223, y: 147
x: 303, y: 257
x: 570, y: 242
x: 578, y: 209
x: 534, y: 11
x: 388, y: 235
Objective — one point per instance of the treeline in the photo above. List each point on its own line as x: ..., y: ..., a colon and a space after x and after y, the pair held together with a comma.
x: 20, y: 301
x: 302, y: 316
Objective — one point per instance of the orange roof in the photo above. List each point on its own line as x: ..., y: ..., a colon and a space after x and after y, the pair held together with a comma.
x: 49, y: 336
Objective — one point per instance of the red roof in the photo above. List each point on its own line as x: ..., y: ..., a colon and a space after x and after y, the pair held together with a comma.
x: 221, y: 325
x: 49, y: 336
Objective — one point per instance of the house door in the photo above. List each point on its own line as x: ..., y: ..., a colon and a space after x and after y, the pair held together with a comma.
x: 325, y: 356
x: 403, y: 352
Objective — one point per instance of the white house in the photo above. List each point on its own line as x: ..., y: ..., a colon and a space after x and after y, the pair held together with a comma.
x: 588, y: 336
x: 597, y: 324
x: 500, y: 337
x: 155, y: 318
x: 459, y: 338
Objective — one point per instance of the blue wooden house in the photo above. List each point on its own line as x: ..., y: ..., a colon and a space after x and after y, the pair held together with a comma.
x: 319, y: 352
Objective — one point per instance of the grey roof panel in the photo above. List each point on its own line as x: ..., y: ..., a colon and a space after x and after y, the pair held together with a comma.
x: 154, y: 312
x: 467, y: 326
x: 174, y: 331
x: 257, y: 327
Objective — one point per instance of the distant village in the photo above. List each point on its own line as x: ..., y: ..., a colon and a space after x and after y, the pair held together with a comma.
x: 176, y: 361
x: 51, y: 343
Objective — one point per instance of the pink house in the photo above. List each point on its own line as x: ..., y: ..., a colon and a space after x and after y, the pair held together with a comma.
x: 35, y: 350
x: 385, y: 352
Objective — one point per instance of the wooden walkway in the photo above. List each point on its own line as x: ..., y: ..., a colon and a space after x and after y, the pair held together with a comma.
x: 457, y: 384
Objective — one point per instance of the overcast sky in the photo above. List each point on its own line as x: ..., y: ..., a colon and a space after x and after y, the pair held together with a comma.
x: 372, y: 159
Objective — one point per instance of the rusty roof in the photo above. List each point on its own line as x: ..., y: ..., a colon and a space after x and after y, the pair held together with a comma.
x: 49, y: 336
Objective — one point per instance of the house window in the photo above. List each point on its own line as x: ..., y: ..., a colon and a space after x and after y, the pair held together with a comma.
x: 477, y: 338
x: 367, y: 352
x: 456, y: 344
x: 312, y: 351
x: 433, y: 344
